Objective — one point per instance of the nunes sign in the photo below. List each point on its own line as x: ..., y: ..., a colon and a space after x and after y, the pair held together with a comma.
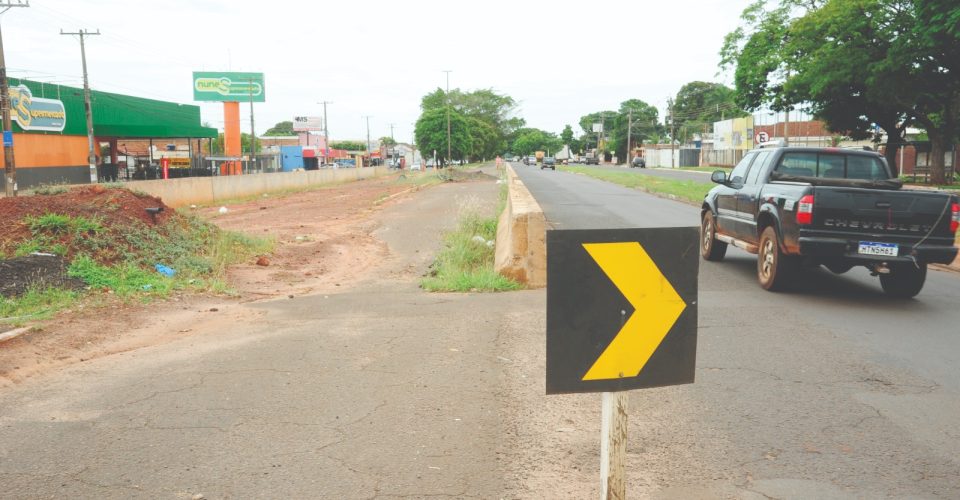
x: 35, y: 113
x: 220, y: 86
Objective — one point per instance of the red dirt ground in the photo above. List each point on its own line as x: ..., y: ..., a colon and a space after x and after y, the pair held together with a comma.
x: 115, y: 208
x: 323, y: 241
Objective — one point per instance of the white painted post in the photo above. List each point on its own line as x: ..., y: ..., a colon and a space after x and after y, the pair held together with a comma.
x: 613, y: 446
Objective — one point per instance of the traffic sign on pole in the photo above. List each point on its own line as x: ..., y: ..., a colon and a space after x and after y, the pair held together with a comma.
x: 621, y: 314
x: 621, y: 308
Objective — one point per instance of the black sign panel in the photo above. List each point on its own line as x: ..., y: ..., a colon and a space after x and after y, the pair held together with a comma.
x: 621, y: 308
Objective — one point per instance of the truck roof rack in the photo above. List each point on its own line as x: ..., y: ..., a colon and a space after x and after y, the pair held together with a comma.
x: 779, y: 143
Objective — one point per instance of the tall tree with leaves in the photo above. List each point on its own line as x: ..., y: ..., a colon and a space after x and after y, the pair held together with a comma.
x: 281, y: 128
x: 641, y: 117
x: 856, y: 63
x: 431, y: 134
x: 699, y: 104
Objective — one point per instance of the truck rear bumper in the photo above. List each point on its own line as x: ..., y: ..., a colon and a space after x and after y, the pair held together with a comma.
x: 837, y: 248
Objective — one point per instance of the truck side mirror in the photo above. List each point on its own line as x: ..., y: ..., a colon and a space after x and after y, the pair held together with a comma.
x: 719, y: 177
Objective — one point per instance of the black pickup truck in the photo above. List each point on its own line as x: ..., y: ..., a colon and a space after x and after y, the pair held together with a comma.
x: 835, y: 207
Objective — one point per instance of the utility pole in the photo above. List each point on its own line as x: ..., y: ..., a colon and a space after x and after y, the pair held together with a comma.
x: 448, y: 115
x: 326, y: 133
x: 673, y: 131
x: 91, y: 155
x: 369, y: 152
x: 629, y: 129
x: 253, y: 135
x: 9, y: 163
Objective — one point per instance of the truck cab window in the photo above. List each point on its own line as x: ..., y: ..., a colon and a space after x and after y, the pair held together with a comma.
x: 758, y: 166
x: 740, y: 171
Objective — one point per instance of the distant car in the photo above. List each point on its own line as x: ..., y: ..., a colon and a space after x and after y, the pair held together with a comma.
x: 638, y: 162
x: 591, y: 160
x: 531, y: 160
x: 416, y: 166
x: 549, y: 162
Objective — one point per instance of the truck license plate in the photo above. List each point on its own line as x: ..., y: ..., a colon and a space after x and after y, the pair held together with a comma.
x: 873, y: 248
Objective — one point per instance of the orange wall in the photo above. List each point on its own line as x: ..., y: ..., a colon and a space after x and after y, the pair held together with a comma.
x: 40, y: 150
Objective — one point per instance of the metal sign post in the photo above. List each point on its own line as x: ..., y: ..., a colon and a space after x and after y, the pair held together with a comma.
x: 621, y: 315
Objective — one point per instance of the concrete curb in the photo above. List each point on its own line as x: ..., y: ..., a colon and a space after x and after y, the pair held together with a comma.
x: 521, y: 247
x: 12, y: 334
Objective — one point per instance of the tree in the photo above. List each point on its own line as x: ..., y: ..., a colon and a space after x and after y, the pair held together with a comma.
x: 216, y: 145
x: 282, y: 128
x: 567, y: 137
x: 349, y: 145
x: 388, y: 141
x: 856, y: 64
x: 699, y: 104
x: 530, y: 140
x: 590, y: 138
x: 431, y: 134
x: 482, y: 106
x: 643, y: 119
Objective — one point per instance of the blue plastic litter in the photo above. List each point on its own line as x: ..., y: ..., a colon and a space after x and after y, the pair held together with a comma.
x: 164, y: 270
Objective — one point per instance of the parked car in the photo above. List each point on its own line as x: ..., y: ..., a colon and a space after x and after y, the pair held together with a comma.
x: 549, y: 162
x: 591, y: 160
x: 638, y: 162
x: 801, y: 207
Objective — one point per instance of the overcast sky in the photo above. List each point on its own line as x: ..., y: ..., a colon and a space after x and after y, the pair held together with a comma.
x: 559, y: 59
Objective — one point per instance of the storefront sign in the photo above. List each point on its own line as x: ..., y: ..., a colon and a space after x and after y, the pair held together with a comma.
x: 221, y: 86
x: 36, y: 113
x: 307, y: 123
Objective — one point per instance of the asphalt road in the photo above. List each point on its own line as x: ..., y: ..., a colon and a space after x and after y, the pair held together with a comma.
x: 829, y: 390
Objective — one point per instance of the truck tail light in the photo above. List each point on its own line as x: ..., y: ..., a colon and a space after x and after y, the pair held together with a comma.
x: 955, y: 220
x: 805, y: 210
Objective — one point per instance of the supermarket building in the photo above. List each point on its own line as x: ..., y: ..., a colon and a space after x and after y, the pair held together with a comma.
x: 50, y: 130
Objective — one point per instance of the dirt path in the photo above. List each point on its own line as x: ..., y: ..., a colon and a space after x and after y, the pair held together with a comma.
x: 323, y: 241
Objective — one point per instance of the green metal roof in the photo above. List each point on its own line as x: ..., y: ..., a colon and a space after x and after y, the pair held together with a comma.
x: 122, y: 116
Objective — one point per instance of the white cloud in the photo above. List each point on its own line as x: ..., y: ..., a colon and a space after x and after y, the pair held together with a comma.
x: 559, y: 59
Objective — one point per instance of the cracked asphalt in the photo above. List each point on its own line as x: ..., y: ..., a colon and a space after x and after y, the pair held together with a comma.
x: 384, y: 391
x: 379, y: 391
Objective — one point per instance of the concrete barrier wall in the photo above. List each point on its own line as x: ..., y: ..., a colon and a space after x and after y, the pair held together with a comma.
x: 521, y: 247
x: 210, y: 190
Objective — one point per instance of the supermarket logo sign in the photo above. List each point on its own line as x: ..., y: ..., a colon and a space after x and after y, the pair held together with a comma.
x: 36, y: 113
x: 228, y: 87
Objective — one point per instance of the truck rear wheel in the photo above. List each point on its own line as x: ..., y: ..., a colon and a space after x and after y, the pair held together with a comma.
x: 710, y: 248
x: 905, y: 280
x: 774, y: 269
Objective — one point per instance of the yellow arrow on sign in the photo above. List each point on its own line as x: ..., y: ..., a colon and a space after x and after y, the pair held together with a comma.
x: 656, y: 308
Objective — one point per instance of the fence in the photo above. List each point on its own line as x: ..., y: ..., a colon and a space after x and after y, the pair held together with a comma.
x: 722, y: 157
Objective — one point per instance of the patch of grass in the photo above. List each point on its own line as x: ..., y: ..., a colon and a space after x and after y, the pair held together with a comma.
x: 465, y: 264
x: 50, y: 189
x: 35, y: 304
x: 57, y: 233
x: 705, y: 168
x: 199, y: 251
x: 689, y: 191
x: 123, y: 280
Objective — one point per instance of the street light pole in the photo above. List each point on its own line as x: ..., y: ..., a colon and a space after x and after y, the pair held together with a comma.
x: 9, y: 163
x: 448, y: 115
